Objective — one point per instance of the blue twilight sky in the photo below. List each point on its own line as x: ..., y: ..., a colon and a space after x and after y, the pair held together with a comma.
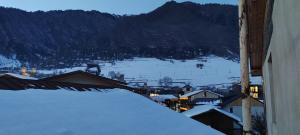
x: 119, y: 7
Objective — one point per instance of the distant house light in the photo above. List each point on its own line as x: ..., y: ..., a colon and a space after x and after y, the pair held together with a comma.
x: 24, y: 71
x: 184, y: 98
x: 153, y: 94
x: 183, y: 109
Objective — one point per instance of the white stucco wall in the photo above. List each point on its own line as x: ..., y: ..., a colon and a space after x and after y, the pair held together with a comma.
x: 285, y: 51
x: 237, y: 110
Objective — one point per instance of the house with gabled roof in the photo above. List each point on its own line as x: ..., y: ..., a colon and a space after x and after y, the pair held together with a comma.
x: 199, y: 97
x: 78, y: 80
x: 113, y: 112
x: 18, y: 82
x: 201, y: 94
x: 82, y: 77
x: 233, y: 104
x: 216, y: 118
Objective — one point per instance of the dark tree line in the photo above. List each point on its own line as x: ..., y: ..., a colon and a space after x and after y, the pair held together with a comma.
x: 174, y: 30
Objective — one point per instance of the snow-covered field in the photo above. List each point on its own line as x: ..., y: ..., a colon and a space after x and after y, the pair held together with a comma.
x: 216, y: 70
x: 116, y: 112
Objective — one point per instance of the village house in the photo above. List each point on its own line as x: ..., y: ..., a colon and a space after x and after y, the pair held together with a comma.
x: 233, y: 104
x: 77, y: 80
x: 199, y: 97
x: 216, y: 118
x: 106, y: 112
x: 82, y: 77
x: 273, y: 51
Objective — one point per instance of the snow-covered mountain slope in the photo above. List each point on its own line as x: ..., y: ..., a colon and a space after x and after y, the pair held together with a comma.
x: 116, y: 112
x: 215, y: 70
x: 8, y: 62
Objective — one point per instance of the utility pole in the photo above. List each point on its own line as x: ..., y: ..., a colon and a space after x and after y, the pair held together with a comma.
x: 246, y: 105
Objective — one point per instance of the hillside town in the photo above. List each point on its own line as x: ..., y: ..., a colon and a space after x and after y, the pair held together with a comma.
x: 205, y: 106
x: 86, y: 102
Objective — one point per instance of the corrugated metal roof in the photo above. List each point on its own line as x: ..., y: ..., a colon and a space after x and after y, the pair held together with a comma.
x: 71, y: 74
x: 9, y: 82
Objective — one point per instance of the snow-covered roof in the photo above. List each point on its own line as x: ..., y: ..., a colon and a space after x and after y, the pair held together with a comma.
x: 163, y: 97
x: 116, y: 112
x: 191, y: 93
x: 198, y: 91
x: 198, y: 110
x: 19, y: 76
x: 206, y: 108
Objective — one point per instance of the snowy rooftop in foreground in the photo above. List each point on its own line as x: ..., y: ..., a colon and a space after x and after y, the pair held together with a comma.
x: 117, y: 112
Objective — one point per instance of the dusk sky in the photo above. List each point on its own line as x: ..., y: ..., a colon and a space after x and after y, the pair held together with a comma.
x: 119, y: 7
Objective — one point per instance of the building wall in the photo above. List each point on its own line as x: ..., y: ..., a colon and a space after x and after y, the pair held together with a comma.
x: 281, y: 70
x: 257, y: 108
x: 237, y: 110
x: 238, y: 102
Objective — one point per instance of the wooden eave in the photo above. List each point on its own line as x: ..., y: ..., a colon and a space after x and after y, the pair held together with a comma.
x: 256, y: 21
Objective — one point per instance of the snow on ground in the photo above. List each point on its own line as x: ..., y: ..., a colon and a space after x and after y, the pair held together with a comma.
x: 7, y: 62
x: 216, y: 70
x: 118, y: 112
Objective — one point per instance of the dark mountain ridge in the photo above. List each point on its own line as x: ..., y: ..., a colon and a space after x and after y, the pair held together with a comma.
x: 174, y: 30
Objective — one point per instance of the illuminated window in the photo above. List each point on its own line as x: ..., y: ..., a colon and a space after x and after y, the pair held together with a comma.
x: 254, y: 91
x: 153, y: 94
x: 24, y: 71
x: 255, y: 95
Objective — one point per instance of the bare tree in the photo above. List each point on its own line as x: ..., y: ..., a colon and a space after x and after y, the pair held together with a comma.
x: 259, y: 123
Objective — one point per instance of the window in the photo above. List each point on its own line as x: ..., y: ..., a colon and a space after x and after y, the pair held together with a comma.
x: 272, y: 90
x: 231, y: 110
x: 255, y: 95
x: 254, y: 91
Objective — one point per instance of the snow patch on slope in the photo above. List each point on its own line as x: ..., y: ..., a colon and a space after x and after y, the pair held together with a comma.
x: 9, y: 62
